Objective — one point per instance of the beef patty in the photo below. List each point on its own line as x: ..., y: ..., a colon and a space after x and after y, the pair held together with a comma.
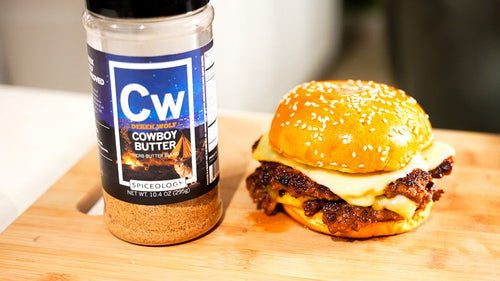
x: 338, y: 214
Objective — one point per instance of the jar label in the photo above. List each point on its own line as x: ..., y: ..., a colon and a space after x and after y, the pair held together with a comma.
x: 156, y: 125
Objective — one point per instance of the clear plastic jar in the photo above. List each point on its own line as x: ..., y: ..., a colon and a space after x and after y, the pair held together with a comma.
x: 153, y: 82
x: 149, y: 36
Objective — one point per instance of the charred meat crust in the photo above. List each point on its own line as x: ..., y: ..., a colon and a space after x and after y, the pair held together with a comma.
x: 338, y: 214
x: 343, y: 217
x: 413, y: 186
x: 256, y: 185
x: 255, y: 144
x: 443, y: 169
x: 284, y: 179
x: 281, y: 177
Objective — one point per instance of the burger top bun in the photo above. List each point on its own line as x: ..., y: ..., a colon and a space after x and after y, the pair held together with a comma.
x: 350, y: 126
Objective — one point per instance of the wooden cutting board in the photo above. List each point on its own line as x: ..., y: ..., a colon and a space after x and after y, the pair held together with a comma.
x: 55, y: 240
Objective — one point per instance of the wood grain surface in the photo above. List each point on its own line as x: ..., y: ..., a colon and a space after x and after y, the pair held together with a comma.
x: 56, y: 240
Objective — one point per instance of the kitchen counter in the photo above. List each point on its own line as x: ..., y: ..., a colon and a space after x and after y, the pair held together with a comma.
x: 44, y: 133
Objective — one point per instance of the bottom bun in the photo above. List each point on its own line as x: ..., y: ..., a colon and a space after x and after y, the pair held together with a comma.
x: 375, y: 229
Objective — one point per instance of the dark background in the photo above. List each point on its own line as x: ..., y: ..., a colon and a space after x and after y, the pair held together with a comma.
x: 445, y: 53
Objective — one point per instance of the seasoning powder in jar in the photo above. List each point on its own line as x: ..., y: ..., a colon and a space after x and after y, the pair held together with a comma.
x: 153, y: 81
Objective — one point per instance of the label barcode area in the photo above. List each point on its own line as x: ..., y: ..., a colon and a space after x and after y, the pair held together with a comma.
x: 213, y: 171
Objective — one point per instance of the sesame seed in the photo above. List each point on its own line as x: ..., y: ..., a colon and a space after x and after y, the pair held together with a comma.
x: 353, y: 154
x: 323, y: 119
x: 308, y: 143
x: 370, y: 147
x: 344, y: 165
x: 361, y: 165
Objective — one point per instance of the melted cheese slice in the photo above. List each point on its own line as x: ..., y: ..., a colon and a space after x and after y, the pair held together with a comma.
x: 362, y: 189
x: 398, y: 204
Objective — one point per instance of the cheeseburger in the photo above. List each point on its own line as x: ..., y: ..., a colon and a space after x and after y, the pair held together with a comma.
x: 353, y: 159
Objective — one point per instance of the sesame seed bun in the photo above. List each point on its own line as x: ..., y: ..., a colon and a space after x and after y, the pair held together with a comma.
x: 370, y: 230
x: 350, y: 126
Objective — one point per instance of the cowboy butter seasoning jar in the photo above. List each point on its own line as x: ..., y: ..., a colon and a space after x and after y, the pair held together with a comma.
x: 152, y: 72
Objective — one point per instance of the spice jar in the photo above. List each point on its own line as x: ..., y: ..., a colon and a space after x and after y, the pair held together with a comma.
x: 152, y: 72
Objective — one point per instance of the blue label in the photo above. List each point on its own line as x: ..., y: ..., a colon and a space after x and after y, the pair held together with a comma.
x: 151, y: 116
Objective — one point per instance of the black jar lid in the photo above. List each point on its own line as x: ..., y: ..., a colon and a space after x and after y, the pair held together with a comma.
x: 143, y: 8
